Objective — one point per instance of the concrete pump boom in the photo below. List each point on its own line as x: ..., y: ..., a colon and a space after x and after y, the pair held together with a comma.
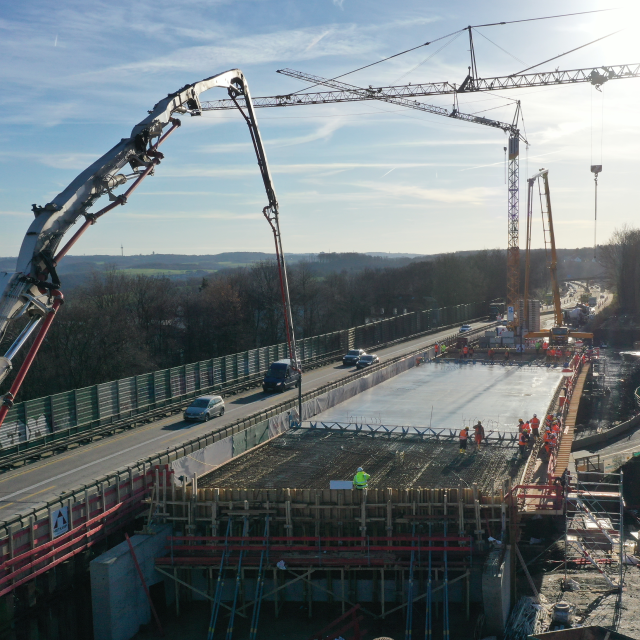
x: 33, y: 289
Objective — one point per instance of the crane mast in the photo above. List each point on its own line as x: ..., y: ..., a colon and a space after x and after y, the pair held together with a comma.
x: 558, y: 333
x: 405, y: 95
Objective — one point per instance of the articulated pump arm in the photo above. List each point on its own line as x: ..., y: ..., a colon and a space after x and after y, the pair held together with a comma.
x: 33, y: 290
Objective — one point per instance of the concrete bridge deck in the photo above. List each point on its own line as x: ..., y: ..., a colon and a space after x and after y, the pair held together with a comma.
x: 21, y: 490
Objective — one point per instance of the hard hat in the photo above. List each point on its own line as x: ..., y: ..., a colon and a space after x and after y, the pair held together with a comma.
x: 520, y: 420
x: 535, y: 415
x: 360, y: 469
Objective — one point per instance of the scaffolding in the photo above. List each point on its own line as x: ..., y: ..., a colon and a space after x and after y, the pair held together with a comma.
x: 594, y: 525
x: 400, y: 547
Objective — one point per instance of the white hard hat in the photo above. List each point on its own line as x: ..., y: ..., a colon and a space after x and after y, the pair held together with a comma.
x: 535, y: 415
x: 360, y: 469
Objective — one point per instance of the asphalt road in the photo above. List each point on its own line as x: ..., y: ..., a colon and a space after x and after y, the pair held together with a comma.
x: 24, y: 488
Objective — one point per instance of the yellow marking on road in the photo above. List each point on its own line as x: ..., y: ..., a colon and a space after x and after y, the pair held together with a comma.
x: 154, y: 425
x: 4, y: 506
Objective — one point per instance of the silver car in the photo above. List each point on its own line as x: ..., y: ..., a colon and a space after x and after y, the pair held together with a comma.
x: 204, y: 408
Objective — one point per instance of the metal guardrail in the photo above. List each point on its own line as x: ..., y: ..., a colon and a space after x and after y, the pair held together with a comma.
x: 28, y: 541
x: 62, y: 438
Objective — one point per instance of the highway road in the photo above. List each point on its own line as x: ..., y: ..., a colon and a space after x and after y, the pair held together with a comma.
x: 22, y: 489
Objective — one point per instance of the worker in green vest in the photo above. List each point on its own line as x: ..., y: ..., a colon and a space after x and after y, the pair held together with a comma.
x: 360, y: 479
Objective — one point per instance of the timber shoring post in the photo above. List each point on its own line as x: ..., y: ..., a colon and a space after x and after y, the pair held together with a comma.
x: 144, y: 584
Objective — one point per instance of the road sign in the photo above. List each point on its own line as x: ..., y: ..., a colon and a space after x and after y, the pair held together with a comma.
x: 60, y: 521
x: 510, y: 313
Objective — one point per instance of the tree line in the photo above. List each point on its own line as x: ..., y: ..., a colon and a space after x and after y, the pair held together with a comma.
x: 116, y: 325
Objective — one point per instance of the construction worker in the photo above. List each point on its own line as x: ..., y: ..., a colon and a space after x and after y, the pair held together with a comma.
x: 523, y: 441
x: 471, y: 351
x: 464, y: 437
x: 436, y: 348
x: 535, y: 426
x: 478, y: 434
x: 520, y: 425
x: 360, y: 479
x: 507, y: 355
x: 491, y: 353
x: 547, y: 439
x: 465, y: 351
x: 443, y: 349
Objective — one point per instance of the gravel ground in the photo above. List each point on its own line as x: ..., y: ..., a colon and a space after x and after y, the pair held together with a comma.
x: 594, y: 604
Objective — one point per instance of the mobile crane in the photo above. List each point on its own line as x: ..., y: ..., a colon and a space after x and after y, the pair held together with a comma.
x: 558, y: 334
x: 33, y: 291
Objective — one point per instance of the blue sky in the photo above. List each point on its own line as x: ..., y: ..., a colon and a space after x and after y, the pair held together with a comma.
x: 77, y: 76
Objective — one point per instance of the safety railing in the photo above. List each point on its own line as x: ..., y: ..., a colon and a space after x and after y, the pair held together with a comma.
x: 46, y: 424
x: 28, y: 540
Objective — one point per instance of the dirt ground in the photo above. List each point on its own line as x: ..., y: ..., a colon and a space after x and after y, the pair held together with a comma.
x: 595, y: 604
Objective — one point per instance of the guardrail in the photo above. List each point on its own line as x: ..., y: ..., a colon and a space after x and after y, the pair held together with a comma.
x: 132, y: 403
x: 29, y: 545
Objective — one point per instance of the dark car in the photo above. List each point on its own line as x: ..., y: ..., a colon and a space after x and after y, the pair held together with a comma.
x: 280, y: 377
x: 367, y: 360
x: 353, y: 356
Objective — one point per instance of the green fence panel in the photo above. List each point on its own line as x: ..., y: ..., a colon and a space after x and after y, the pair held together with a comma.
x: 144, y: 388
x: 108, y: 399
x: 63, y: 411
x: 87, y: 405
x: 127, y: 397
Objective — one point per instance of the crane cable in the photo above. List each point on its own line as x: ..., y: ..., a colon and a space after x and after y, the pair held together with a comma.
x: 596, y: 169
x: 457, y: 31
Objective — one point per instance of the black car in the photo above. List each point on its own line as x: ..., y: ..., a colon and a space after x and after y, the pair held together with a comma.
x: 280, y: 377
x: 367, y: 360
x: 353, y: 356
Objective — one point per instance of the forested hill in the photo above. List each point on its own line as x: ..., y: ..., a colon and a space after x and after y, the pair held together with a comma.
x: 76, y: 269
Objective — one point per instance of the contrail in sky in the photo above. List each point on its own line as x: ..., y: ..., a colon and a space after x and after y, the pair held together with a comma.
x: 388, y: 172
x: 55, y: 44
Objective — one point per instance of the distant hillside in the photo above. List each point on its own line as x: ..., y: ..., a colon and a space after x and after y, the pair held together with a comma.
x: 573, y: 263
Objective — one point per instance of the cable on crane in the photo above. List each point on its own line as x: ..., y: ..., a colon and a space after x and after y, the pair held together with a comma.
x: 567, y: 52
x: 492, y: 24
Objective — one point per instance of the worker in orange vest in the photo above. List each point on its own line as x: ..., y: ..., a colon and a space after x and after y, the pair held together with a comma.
x: 478, y: 434
x: 548, y: 442
x: 523, y: 440
x: 520, y: 425
x: 464, y: 437
x: 535, y: 426
x: 436, y: 349
x: 491, y: 353
x: 465, y: 351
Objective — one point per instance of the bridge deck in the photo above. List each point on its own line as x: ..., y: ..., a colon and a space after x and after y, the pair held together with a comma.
x: 447, y: 395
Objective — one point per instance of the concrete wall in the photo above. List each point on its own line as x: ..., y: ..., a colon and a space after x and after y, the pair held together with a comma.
x: 496, y: 592
x: 598, y: 438
x: 118, y: 599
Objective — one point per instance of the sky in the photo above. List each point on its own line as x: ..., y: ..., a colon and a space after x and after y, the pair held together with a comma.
x: 364, y: 176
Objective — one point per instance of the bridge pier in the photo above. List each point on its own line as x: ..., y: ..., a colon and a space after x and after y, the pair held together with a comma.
x: 119, y: 602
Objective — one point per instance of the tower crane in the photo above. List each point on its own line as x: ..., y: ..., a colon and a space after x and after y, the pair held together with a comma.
x: 558, y: 334
x: 405, y: 95
x: 33, y: 290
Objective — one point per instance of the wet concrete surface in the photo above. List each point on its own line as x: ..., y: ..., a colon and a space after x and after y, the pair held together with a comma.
x: 448, y: 395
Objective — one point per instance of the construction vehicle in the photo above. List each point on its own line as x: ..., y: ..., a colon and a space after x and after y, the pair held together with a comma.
x: 33, y: 291
x: 559, y: 333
